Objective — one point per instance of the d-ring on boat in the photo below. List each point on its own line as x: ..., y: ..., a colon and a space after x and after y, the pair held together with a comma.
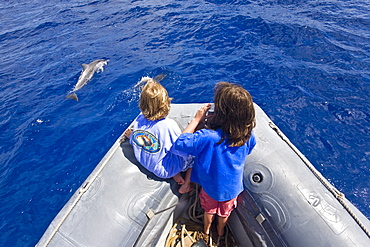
x: 286, y: 201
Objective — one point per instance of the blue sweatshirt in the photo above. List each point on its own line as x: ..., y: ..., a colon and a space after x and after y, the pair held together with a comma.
x: 218, y: 168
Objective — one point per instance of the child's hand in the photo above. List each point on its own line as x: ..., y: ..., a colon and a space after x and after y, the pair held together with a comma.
x: 125, y: 136
x: 202, y: 112
x: 128, y: 133
x: 198, y: 119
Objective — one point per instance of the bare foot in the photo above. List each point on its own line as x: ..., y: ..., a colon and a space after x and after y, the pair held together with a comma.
x: 179, y: 179
x: 206, y: 238
x: 185, y: 188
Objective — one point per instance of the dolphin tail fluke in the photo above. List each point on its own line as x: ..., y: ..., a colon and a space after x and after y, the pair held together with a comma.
x: 160, y: 77
x: 72, y: 96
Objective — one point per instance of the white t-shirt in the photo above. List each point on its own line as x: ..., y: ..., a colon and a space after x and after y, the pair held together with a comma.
x: 153, y: 146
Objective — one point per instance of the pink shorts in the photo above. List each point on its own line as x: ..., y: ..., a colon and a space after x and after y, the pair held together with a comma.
x: 212, y: 206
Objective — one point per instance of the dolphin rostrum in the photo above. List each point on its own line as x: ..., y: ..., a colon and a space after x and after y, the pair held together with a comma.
x: 86, y: 75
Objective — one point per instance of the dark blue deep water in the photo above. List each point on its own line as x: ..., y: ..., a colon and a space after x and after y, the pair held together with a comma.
x: 306, y: 63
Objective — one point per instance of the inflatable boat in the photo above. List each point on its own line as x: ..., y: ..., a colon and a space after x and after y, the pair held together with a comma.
x: 286, y: 201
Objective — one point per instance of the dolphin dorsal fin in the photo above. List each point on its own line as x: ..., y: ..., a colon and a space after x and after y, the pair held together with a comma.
x: 160, y: 77
x: 84, y: 65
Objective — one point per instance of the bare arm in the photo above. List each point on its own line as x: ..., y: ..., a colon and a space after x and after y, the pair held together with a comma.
x: 199, y: 117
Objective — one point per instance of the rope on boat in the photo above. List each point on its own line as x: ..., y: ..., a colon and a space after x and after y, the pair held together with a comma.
x: 189, y: 230
x: 337, y: 194
x: 195, y: 206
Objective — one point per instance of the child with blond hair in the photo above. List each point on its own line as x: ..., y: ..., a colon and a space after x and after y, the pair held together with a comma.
x: 153, y: 135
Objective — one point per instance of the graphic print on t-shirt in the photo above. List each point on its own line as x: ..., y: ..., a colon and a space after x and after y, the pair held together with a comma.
x: 146, y: 140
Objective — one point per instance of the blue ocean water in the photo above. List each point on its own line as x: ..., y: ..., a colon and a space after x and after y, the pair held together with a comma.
x: 306, y: 63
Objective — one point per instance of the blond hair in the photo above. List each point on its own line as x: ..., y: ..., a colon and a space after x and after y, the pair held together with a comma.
x: 234, y: 113
x: 154, y: 101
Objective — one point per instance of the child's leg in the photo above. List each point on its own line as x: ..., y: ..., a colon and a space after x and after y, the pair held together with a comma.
x: 208, y: 218
x: 224, y: 210
x: 221, y: 225
x: 178, y: 178
x: 186, y: 187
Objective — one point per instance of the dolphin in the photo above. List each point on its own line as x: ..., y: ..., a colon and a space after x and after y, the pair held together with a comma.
x: 146, y: 79
x: 86, y: 75
x: 160, y: 77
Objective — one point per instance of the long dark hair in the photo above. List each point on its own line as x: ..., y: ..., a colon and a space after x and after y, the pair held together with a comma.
x: 234, y: 113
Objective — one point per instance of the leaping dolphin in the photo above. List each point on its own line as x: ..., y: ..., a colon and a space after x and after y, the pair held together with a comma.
x: 86, y: 75
x: 146, y: 79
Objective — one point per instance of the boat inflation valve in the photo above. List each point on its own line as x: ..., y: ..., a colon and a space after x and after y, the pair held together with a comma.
x: 257, y: 177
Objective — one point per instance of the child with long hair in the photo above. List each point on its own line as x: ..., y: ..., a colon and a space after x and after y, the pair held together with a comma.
x: 220, y: 151
x: 153, y: 136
